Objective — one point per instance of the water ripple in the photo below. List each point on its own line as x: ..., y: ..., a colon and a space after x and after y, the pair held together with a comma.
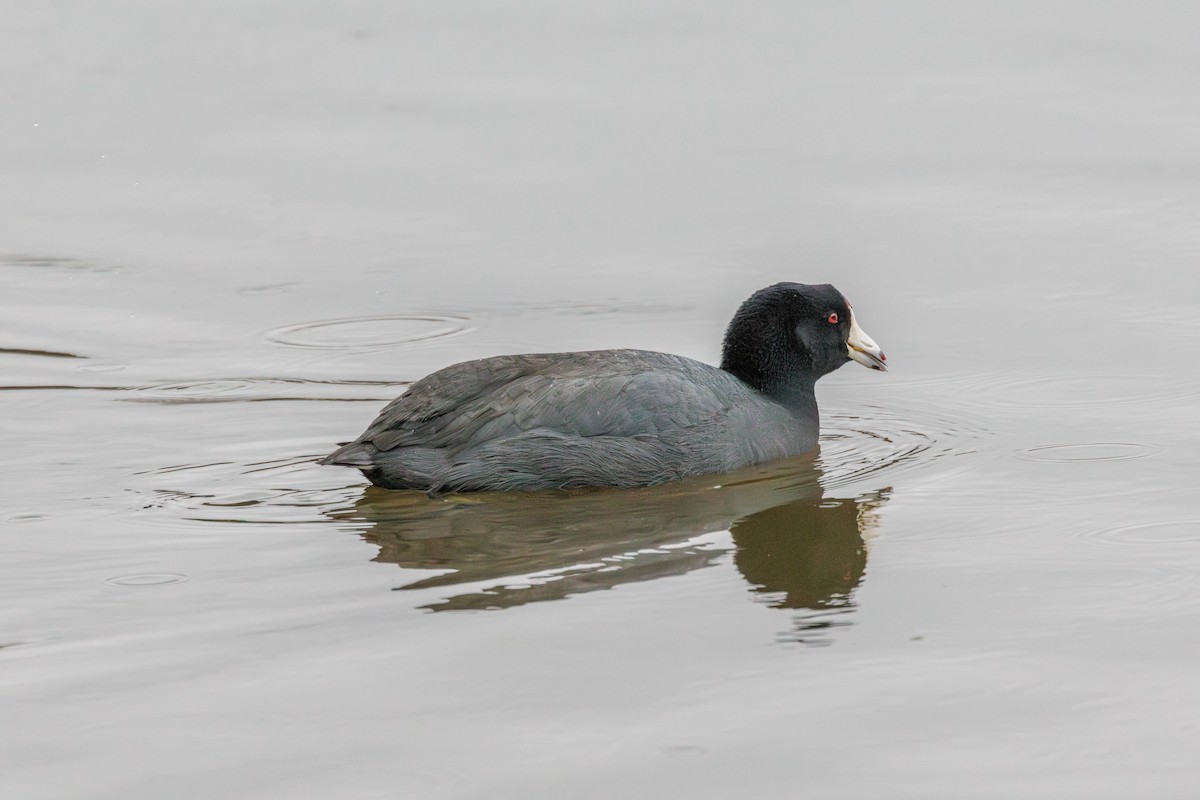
x: 1060, y: 392
x: 878, y: 442
x: 368, y: 333
x: 872, y: 445
x: 270, y: 288
x: 23, y: 351
x: 55, y: 263
x: 1116, y: 587
x: 279, y: 491
x: 1089, y: 452
x: 1146, y: 534
x: 259, y: 390
x: 28, y: 517
x: 140, y: 581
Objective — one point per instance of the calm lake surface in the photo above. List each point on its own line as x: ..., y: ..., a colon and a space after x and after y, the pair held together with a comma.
x: 232, y: 231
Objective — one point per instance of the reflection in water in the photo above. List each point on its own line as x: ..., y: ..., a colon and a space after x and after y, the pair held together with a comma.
x: 807, y: 555
x: 798, y: 549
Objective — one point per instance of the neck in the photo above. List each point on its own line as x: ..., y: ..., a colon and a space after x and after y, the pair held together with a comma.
x: 761, y: 350
x: 786, y: 378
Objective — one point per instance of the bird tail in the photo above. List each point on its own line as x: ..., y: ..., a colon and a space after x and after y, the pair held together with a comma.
x: 354, y: 454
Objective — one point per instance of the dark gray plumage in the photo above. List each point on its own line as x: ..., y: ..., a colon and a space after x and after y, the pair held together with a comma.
x: 619, y: 417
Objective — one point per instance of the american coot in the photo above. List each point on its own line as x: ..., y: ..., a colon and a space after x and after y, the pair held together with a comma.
x: 619, y: 417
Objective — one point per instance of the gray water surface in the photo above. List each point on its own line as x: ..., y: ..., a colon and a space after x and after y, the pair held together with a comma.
x: 232, y: 231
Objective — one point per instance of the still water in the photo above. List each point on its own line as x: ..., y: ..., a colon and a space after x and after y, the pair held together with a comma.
x: 232, y: 231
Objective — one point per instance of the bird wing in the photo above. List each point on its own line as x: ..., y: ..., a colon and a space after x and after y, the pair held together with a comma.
x: 479, y: 401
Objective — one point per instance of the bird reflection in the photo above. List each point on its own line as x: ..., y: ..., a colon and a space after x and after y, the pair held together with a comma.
x: 796, y: 548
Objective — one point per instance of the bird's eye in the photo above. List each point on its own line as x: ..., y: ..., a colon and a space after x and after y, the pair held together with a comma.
x: 833, y: 318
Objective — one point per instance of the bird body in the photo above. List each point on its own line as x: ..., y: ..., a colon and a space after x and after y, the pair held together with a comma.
x: 612, y: 417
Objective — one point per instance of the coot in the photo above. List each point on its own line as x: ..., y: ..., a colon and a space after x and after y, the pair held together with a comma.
x: 619, y: 417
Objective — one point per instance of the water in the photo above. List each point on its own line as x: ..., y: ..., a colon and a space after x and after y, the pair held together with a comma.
x: 232, y: 231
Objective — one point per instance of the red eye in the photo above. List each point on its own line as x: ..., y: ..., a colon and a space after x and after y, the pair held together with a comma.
x: 833, y: 318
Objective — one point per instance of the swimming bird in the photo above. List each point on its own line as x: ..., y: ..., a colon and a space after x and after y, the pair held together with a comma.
x: 619, y: 418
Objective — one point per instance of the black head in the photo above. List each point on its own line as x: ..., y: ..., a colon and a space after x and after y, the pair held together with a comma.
x: 788, y: 335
